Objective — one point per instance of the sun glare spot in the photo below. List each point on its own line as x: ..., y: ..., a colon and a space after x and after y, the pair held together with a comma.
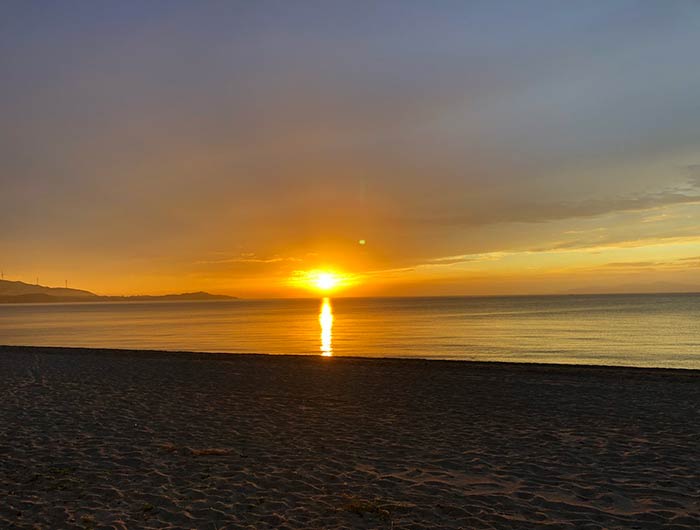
x: 326, y: 281
x: 322, y: 280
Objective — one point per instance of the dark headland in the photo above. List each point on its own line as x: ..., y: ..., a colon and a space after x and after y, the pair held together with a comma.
x: 20, y: 292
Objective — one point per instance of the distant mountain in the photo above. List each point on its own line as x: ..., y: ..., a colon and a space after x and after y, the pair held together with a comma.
x: 20, y: 292
x: 8, y: 288
x: 199, y: 295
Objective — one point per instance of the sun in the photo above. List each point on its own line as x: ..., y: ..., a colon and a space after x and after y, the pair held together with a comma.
x: 326, y: 281
x: 322, y: 280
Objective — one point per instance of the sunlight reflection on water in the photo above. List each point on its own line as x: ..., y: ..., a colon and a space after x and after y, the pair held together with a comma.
x: 325, y: 318
x: 632, y: 330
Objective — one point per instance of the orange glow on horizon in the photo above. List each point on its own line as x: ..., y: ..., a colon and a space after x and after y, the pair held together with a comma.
x: 321, y: 280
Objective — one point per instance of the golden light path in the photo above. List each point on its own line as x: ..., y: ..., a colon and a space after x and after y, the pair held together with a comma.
x: 325, y: 318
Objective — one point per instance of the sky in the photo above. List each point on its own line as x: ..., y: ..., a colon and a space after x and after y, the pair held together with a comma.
x: 478, y: 147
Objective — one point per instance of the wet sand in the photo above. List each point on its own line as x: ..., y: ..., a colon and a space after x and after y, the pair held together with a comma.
x: 115, y: 439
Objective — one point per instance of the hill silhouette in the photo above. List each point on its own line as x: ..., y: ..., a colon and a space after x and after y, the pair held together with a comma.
x: 20, y: 292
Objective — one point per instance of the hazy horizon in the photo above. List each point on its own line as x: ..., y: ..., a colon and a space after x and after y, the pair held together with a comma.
x: 661, y: 289
x: 467, y: 149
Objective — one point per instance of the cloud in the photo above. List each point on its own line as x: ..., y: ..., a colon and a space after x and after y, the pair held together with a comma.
x: 680, y: 264
x: 564, y: 248
x: 631, y: 264
x: 248, y: 258
x: 694, y: 175
x: 556, y: 211
x: 486, y: 256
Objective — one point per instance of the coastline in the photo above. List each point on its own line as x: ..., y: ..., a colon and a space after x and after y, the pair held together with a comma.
x: 151, y: 439
x: 523, y: 366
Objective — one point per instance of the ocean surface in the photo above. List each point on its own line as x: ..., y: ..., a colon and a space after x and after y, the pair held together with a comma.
x: 631, y: 330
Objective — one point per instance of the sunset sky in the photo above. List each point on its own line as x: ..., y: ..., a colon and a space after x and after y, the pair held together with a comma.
x: 477, y: 147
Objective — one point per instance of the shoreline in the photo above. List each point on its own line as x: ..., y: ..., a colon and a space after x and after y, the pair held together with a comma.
x: 126, y: 439
x: 202, y: 355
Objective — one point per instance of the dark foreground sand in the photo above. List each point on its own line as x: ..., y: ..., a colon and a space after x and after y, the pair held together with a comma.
x: 103, y: 439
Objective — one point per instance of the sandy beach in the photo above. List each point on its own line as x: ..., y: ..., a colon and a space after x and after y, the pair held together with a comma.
x: 117, y: 439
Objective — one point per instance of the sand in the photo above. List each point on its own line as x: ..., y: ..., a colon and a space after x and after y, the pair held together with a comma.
x: 114, y: 439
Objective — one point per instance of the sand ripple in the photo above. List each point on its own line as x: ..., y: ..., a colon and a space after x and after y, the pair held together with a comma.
x: 144, y: 440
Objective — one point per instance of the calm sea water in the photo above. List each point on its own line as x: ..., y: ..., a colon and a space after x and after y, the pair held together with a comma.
x: 632, y: 330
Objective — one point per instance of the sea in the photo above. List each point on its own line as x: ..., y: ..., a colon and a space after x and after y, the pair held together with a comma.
x: 650, y: 330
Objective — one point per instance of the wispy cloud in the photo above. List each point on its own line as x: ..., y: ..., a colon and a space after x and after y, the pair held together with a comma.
x: 560, y: 248
x: 249, y: 258
x: 694, y: 172
x: 533, y: 212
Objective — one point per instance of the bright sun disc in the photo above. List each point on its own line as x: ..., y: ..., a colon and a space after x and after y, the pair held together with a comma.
x: 326, y: 281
